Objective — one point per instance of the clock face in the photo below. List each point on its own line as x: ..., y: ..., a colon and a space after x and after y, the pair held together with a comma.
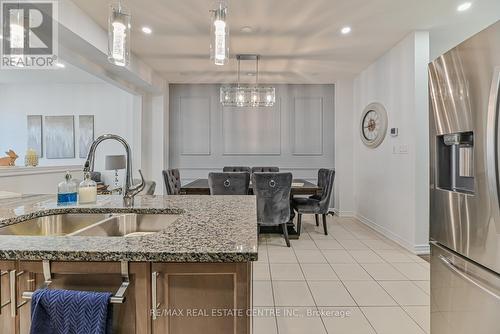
x: 373, y: 125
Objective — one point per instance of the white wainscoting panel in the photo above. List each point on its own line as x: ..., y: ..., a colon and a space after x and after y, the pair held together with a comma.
x: 194, y: 125
x: 251, y: 131
x: 308, y: 126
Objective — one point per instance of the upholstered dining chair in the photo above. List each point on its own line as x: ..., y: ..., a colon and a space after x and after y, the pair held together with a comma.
x: 317, y: 205
x: 172, y: 181
x: 232, y: 183
x: 237, y: 169
x: 265, y: 169
x: 273, y: 199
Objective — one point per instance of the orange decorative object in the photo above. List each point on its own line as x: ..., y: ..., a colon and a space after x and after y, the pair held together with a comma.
x: 10, y: 159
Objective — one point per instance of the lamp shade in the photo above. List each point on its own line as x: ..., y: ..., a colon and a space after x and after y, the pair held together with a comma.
x: 114, y: 162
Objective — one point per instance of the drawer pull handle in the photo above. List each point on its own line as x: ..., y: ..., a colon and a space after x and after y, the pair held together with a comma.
x: 154, y: 292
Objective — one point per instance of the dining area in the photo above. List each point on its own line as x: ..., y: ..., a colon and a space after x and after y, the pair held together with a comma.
x: 281, y: 199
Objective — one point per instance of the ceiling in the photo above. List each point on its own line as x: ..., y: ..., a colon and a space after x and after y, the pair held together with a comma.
x: 300, y: 41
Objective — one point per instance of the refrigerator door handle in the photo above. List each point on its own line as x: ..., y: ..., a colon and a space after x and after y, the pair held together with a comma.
x: 462, y: 273
x: 492, y: 172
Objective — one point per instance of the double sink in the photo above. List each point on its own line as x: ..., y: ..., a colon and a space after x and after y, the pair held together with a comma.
x: 96, y: 225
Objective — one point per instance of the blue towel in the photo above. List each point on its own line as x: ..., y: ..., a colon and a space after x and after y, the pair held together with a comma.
x: 70, y: 312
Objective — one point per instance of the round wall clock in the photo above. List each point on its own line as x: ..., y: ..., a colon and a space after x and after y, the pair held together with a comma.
x: 373, y: 124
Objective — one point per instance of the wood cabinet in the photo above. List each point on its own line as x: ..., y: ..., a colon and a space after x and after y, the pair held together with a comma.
x: 8, y: 318
x: 201, y: 298
x: 197, y: 287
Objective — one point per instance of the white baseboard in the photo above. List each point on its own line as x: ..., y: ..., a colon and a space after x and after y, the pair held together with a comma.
x: 416, y: 249
x: 344, y: 214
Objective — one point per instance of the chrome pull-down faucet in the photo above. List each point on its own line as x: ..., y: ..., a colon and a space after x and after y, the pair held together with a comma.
x: 129, y: 189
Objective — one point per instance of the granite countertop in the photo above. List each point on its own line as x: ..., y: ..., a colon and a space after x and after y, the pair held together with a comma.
x: 208, y: 229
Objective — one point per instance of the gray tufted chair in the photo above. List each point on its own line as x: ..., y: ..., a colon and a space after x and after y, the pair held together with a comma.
x: 172, y: 181
x: 236, y: 169
x: 273, y: 199
x: 317, y: 205
x: 265, y: 169
x: 233, y: 183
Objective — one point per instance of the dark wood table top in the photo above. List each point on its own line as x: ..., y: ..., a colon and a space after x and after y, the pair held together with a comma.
x: 299, y: 187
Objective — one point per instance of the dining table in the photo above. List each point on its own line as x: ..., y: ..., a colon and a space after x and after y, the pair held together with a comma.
x: 300, y: 187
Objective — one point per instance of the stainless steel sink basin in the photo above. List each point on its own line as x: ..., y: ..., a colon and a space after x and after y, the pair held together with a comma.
x: 128, y: 225
x: 55, y: 225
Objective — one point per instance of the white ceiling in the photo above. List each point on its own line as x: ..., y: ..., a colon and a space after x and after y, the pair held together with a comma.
x: 299, y: 40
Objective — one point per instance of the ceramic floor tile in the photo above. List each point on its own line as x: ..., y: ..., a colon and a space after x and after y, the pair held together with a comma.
x: 262, y: 293
x: 319, y: 272
x: 277, y: 255
x: 393, y: 255
x: 345, y: 320
x: 379, y: 244
x: 413, y: 271
x: 353, y: 244
x: 286, y: 272
x: 292, y: 293
x: 303, y: 244
x: 264, y: 322
x: 369, y: 293
x: 422, y: 315
x: 424, y: 285
x: 301, y: 323
x: 406, y: 293
x: 309, y: 256
x: 319, y: 235
x: 276, y: 241
x: 261, y: 271
x: 330, y: 293
x: 262, y: 255
x: 328, y: 244
x: 338, y: 256
x: 366, y: 256
x: 351, y: 272
x: 383, y: 272
x: 391, y: 320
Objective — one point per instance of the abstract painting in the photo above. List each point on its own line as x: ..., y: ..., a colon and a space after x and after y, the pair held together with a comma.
x: 60, y: 137
x: 35, y: 134
x: 86, y: 127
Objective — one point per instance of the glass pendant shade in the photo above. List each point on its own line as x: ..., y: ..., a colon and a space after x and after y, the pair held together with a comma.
x: 247, y: 96
x: 119, y: 35
x: 219, y: 34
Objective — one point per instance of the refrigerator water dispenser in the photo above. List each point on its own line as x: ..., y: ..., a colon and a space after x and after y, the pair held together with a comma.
x: 455, y: 162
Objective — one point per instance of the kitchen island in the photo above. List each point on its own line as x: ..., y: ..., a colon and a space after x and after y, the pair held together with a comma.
x: 187, y: 263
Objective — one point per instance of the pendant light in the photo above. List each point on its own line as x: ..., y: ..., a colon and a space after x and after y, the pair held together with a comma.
x: 219, y: 34
x: 119, y: 35
x: 248, y: 95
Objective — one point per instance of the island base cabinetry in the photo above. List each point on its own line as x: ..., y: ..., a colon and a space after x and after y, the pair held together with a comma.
x: 166, y: 298
x: 201, y: 298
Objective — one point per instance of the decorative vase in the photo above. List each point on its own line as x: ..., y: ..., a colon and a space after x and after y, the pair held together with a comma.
x: 31, y: 158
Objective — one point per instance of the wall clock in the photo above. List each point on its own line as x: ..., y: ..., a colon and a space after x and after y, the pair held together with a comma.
x: 373, y: 125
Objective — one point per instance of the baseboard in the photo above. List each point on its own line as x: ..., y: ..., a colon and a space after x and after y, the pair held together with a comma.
x: 344, y: 214
x: 416, y: 249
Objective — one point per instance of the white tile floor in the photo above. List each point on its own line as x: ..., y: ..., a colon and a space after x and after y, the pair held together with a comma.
x: 353, y: 281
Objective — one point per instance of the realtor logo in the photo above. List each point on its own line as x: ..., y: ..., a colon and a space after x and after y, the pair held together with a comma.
x: 29, y: 31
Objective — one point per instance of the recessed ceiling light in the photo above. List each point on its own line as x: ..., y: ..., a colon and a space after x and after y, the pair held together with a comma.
x: 247, y: 29
x: 345, y: 30
x: 251, y: 74
x: 60, y: 65
x: 463, y: 7
x: 147, y: 30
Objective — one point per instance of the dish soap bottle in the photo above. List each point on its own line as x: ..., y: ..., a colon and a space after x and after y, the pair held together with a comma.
x: 87, y: 192
x: 66, y: 191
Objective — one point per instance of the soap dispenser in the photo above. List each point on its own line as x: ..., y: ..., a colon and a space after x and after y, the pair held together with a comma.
x: 87, y: 192
x: 67, y: 191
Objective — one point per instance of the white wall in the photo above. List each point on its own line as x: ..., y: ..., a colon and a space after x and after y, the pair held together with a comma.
x: 115, y: 111
x: 390, y: 188
x: 297, y: 134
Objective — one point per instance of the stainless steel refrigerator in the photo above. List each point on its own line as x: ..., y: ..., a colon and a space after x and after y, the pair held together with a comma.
x: 465, y: 187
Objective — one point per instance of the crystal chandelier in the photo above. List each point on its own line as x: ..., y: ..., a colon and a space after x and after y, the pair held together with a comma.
x: 219, y: 34
x: 247, y: 95
x: 119, y: 35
